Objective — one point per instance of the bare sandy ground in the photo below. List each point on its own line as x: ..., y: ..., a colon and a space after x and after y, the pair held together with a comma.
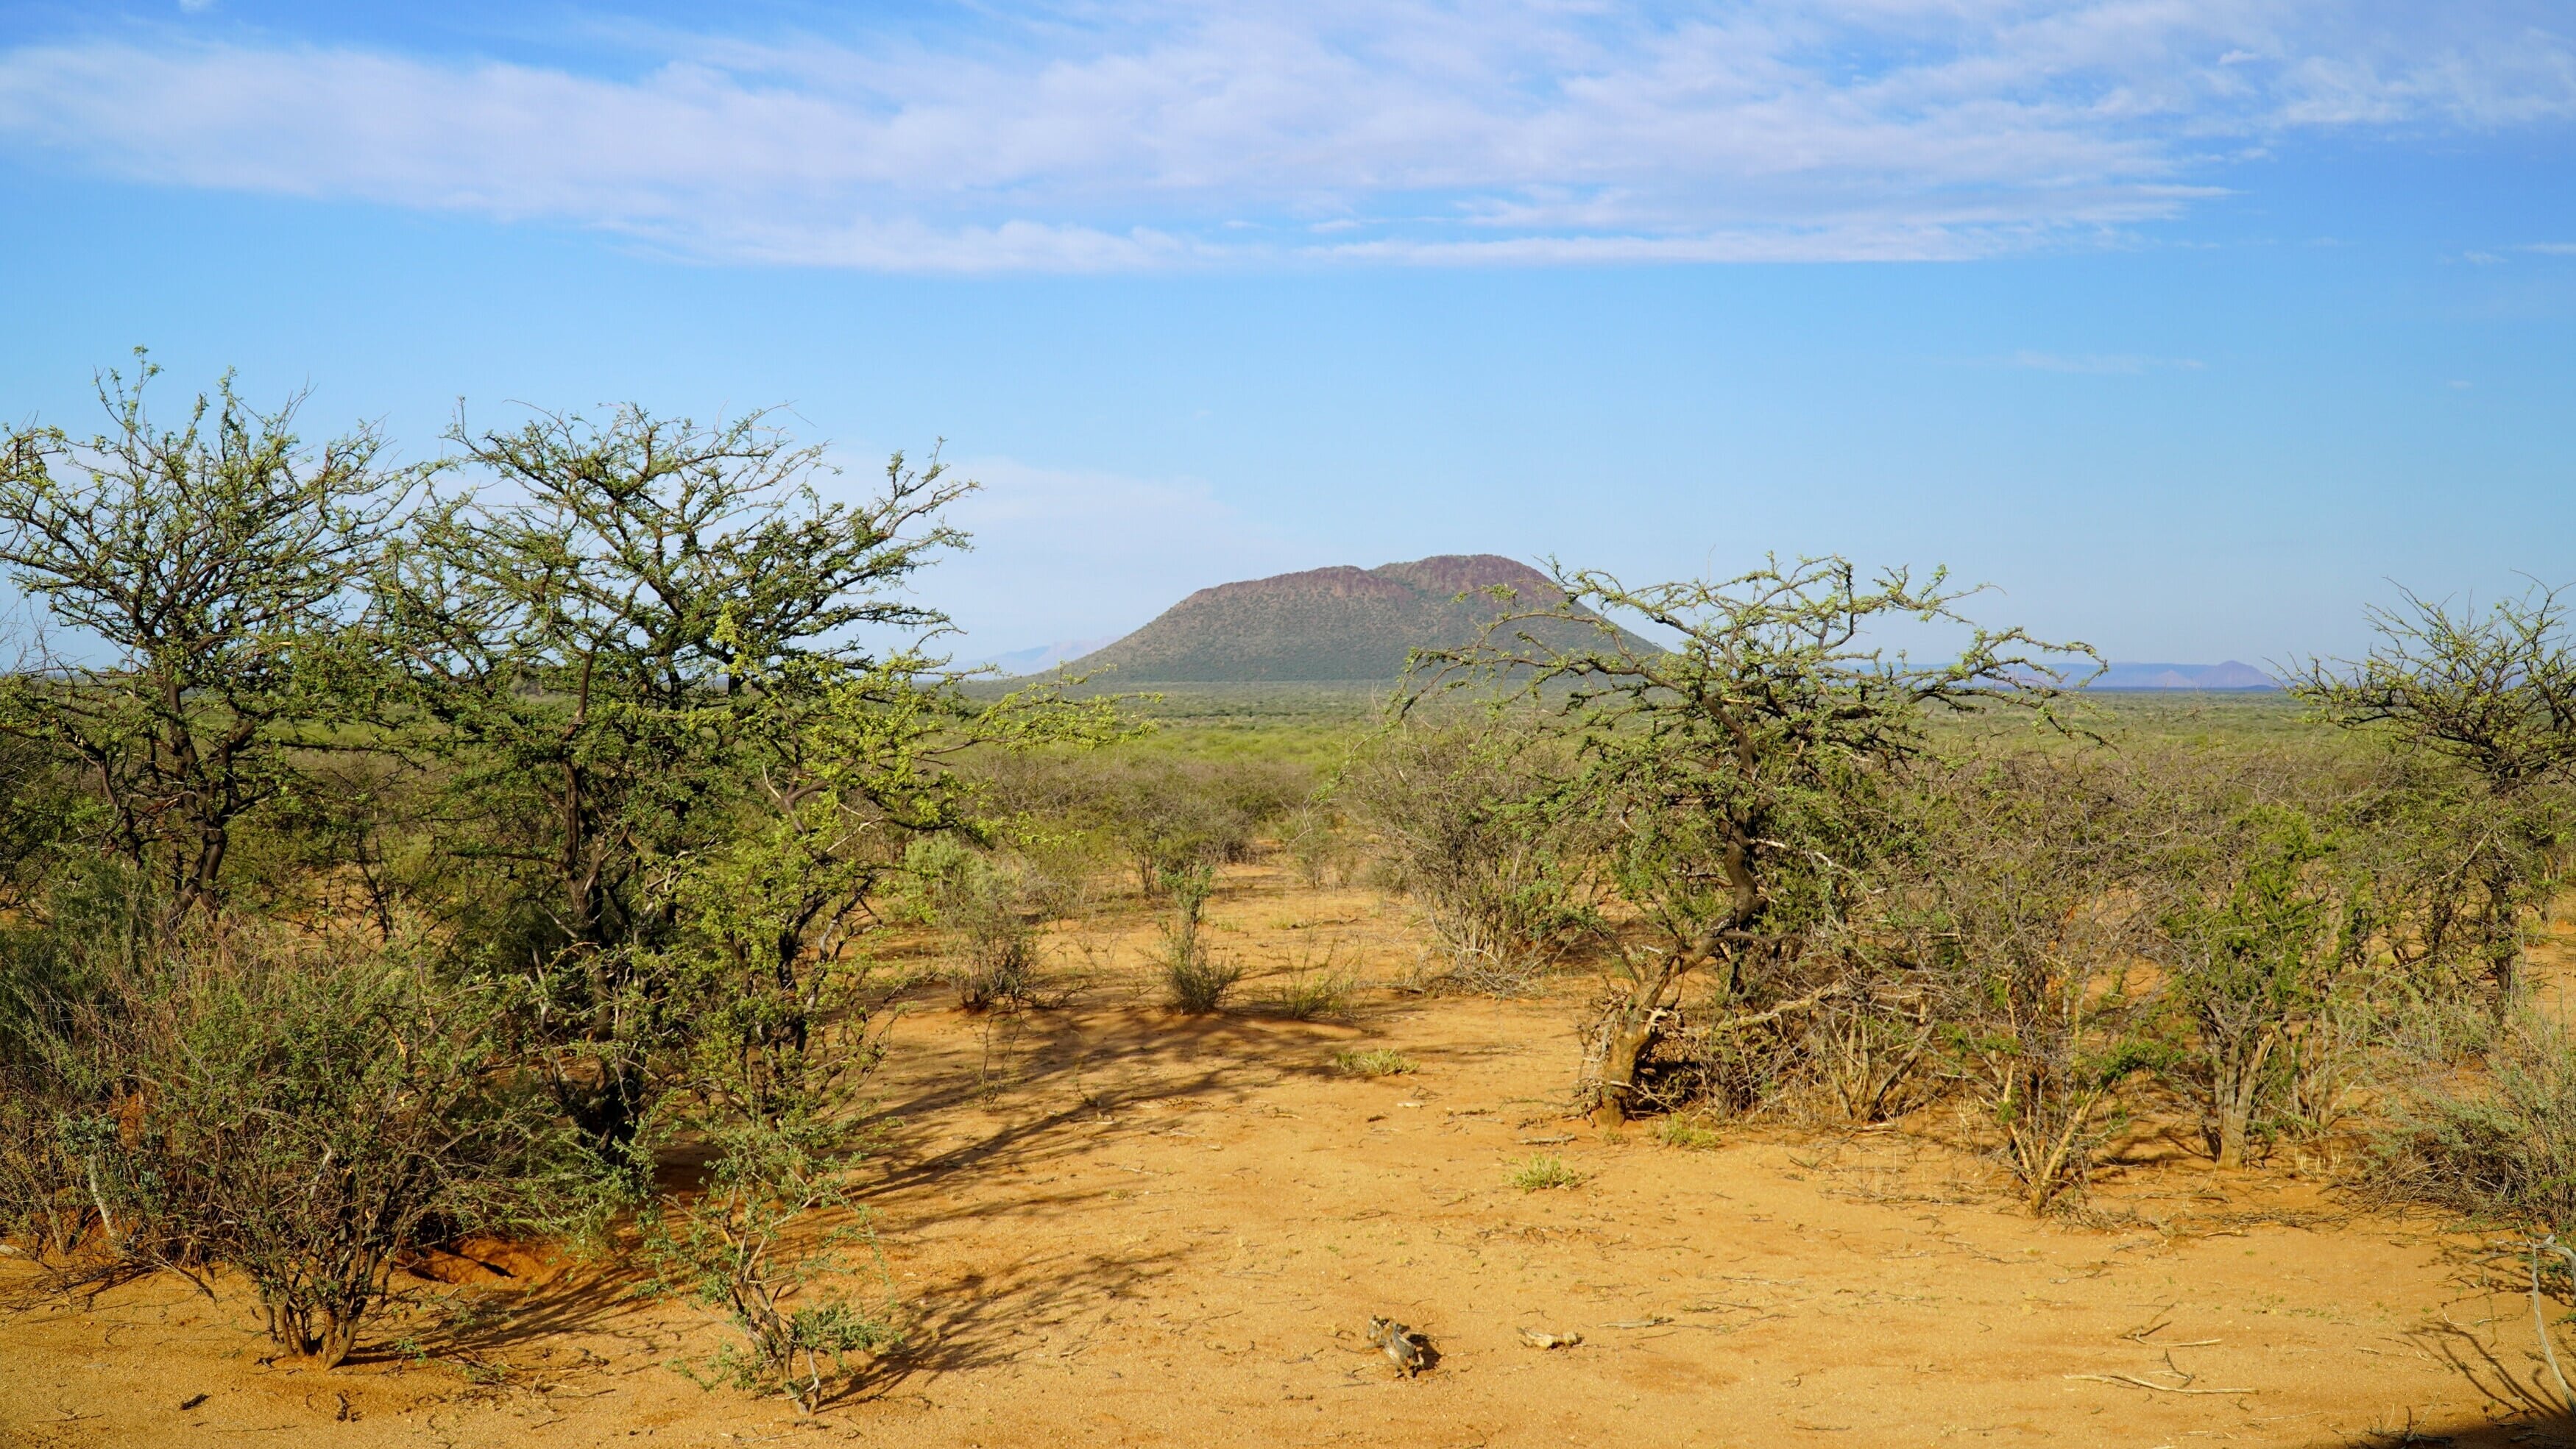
x: 1108, y: 1225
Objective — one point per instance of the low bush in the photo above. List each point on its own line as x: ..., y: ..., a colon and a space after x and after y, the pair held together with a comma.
x: 304, y: 1111
x: 1200, y: 982
x: 1373, y: 1062
x: 990, y: 905
x: 1316, y: 989
x: 1163, y: 816
x: 2497, y: 1145
x: 1197, y: 977
x: 1467, y: 821
x: 1316, y: 840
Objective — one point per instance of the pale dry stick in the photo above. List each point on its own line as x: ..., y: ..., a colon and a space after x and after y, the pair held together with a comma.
x: 2141, y: 1335
x: 2159, y: 1388
x: 2540, y: 1325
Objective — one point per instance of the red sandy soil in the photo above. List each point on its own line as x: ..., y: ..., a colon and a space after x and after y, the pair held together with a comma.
x: 1109, y: 1225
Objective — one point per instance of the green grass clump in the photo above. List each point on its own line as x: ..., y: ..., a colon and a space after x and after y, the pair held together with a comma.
x: 1541, y: 1171
x: 1375, y: 1062
x: 1680, y: 1132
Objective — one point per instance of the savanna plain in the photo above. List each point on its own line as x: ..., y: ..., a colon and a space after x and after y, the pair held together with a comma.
x: 1099, y: 1220
x: 536, y: 966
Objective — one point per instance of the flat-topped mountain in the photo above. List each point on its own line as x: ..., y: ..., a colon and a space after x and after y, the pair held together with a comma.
x: 1343, y: 623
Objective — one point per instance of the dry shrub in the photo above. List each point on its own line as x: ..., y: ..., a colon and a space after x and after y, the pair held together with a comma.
x: 2497, y: 1144
x: 1159, y: 814
x: 1317, y: 989
x: 304, y: 1110
x: 1374, y: 1062
x: 1685, y: 1133
x: 2024, y: 909
x: 1467, y: 820
x: 1197, y: 977
x: 1316, y: 840
x: 1541, y: 1171
x: 990, y: 904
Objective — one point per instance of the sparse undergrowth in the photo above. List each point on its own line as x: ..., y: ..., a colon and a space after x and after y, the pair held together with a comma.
x: 1373, y: 1062
x: 1317, y: 990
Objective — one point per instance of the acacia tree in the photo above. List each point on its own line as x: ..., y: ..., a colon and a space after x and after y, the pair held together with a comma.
x: 602, y: 646
x: 1745, y: 772
x: 772, y: 1011
x: 215, y: 564
x: 2493, y: 695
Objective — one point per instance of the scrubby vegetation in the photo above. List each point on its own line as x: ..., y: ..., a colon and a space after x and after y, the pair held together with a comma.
x: 516, y: 846
x: 400, y: 865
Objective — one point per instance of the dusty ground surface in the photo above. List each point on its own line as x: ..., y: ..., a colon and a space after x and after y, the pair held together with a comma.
x: 1108, y: 1225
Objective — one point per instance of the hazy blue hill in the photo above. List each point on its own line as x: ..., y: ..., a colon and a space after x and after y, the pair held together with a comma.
x: 1043, y: 657
x: 1333, y: 624
x: 2230, y: 675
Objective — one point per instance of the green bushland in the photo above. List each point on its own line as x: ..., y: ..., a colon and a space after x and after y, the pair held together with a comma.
x: 461, y: 848
x: 405, y: 862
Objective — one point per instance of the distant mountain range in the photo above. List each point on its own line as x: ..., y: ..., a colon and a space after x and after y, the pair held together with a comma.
x: 1340, y: 624
x: 1044, y: 657
x: 2230, y: 675
x: 1354, y: 625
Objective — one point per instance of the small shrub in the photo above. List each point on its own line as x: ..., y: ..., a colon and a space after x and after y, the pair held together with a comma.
x: 729, y: 1250
x: 1542, y: 1170
x: 1200, y: 981
x: 1374, y: 1062
x: 306, y: 1113
x: 997, y: 942
x: 990, y: 906
x: 1466, y: 822
x: 1682, y: 1132
x: 1165, y: 816
x: 1315, y: 995
x: 1196, y: 976
x: 996, y: 970
x: 1314, y: 839
x: 2500, y: 1150
x: 1317, y: 989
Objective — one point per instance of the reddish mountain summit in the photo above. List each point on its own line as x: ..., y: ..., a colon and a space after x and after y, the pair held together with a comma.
x: 1330, y: 624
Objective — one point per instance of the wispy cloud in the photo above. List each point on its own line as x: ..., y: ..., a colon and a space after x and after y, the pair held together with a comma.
x: 1133, y: 134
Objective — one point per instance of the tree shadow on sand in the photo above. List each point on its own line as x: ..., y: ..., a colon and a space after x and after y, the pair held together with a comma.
x: 1090, y: 1070
x: 2521, y: 1404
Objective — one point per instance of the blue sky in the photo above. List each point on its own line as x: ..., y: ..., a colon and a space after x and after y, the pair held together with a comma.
x: 2192, y: 325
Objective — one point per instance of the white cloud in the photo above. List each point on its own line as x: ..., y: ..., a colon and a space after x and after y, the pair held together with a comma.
x: 1135, y: 134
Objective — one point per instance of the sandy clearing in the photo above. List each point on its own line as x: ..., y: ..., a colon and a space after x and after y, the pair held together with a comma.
x: 1112, y: 1226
